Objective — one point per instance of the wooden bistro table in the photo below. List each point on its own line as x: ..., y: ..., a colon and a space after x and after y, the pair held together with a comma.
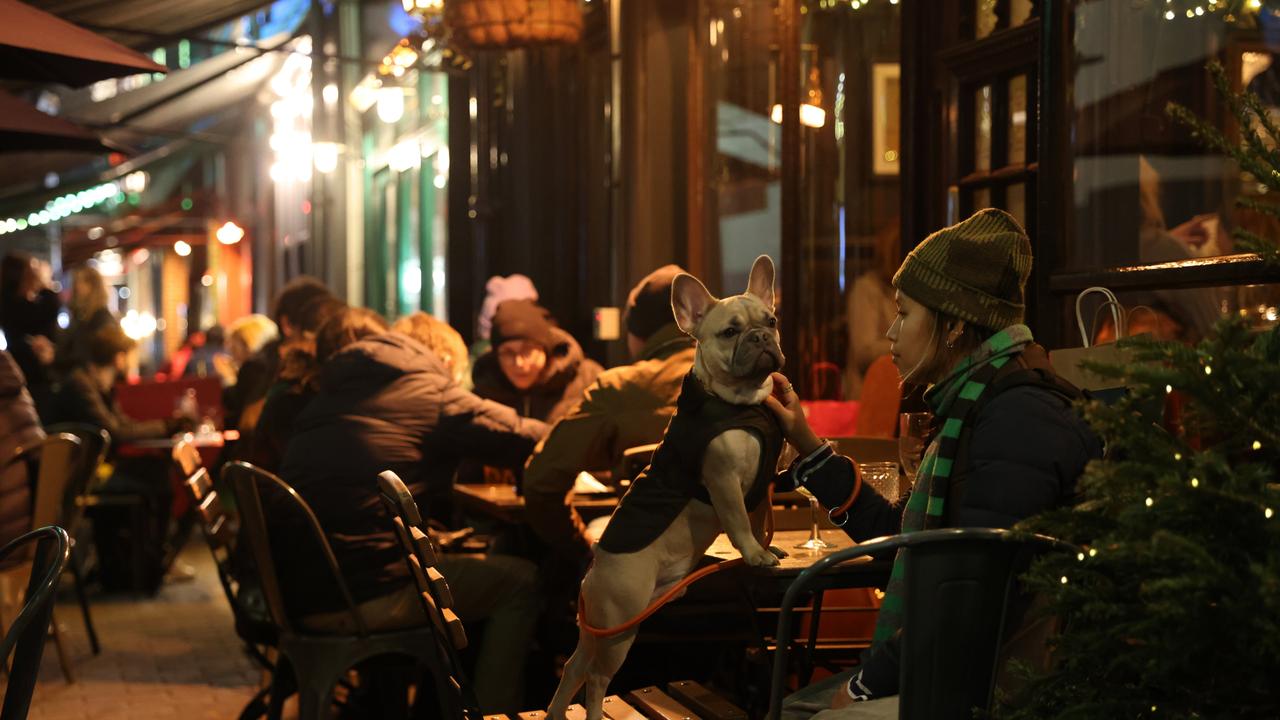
x: 772, y: 582
x: 501, y: 501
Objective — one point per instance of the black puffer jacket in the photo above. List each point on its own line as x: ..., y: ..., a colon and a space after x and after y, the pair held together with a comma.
x: 385, y: 403
x: 19, y: 427
x: 1024, y: 455
x: 568, y: 374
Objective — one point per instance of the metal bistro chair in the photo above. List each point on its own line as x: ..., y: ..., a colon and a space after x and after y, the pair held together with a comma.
x: 318, y: 660
x: 456, y: 696
x: 960, y: 597
x: 95, y: 443
x: 248, y: 610
x: 26, y: 636
x: 53, y: 463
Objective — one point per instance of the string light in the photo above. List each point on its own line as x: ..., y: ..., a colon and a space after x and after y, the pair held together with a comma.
x: 1064, y: 579
x: 1195, y: 482
x: 1150, y: 502
x: 1257, y: 445
x: 1208, y: 370
x: 1168, y: 389
x: 1080, y: 557
x: 1093, y: 552
x: 1177, y: 456
x: 1267, y: 513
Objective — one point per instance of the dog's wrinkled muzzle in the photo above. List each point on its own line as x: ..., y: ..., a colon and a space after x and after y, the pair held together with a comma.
x: 757, y: 354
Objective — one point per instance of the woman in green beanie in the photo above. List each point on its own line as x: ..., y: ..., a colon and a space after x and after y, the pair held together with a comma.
x: 1005, y: 442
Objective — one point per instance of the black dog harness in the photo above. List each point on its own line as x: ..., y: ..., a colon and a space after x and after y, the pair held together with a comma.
x: 674, y: 477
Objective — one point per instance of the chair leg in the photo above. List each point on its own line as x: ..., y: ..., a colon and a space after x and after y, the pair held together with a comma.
x: 63, y: 660
x: 77, y: 573
x: 259, y: 706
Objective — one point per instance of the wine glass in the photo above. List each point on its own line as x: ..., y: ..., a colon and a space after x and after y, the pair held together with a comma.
x: 913, y: 428
x: 815, y: 541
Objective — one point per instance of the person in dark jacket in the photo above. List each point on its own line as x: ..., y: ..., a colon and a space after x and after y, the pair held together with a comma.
x: 625, y: 407
x: 260, y: 372
x: 386, y: 403
x: 294, y: 383
x: 534, y: 367
x: 29, y: 319
x: 85, y: 396
x: 997, y: 455
x: 19, y: 428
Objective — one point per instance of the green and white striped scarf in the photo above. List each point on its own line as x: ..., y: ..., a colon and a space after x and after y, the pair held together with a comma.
x: 951, y: 401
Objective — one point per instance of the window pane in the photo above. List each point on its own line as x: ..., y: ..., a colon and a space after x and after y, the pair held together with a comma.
x: 981, y: 199
x: 984, y: 17
x: 982, y: 129
x: 744, y: 193
x: 1016, y: 202
x: 1145, y: 190
x: 1017, y: 120
x: 1186, y: 315
x: 849, y: 208
x: 1020, y: 11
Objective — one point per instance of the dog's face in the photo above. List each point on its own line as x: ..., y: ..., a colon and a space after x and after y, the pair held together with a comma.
x: 737, y: 336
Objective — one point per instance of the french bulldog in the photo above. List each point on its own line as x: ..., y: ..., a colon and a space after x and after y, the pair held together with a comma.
x: 737, y: 349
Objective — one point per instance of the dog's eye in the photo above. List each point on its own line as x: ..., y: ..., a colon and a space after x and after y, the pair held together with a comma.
x: 773, y: 321
x: 729, y: 332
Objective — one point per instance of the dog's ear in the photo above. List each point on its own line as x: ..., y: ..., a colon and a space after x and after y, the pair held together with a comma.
x: 761, y: 282
x: 690, y: 301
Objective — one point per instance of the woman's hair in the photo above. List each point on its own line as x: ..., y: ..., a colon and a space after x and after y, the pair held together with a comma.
x: 296, y: 294
x: 84, y: 304
x: 941, y: 357
x: 438, y: 337
x: 252, y: 330
x: 309, y: 316
x: 347, y: 326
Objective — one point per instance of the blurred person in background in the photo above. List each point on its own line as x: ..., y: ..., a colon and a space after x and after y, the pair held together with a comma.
x: 285, y: 315
x: 86, y: 395
x: 243, y: 368
x: 498, y: 289
x: 440, y: 338
x: 534, y: 368
x: 29, y: 319
x: 19, y: 428
x: 293, y: 385
x: 387, y: 402
x: 90, y: 314
x: 205, y: 356
x: 871, y: 310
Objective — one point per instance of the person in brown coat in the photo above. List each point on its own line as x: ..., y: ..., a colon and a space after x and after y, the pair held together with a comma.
x: 19, y: 428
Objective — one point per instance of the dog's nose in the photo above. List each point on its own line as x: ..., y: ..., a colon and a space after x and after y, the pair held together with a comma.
x: 759, y: 336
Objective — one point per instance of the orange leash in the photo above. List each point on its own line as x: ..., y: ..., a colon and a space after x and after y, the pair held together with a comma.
x: 669, y: 595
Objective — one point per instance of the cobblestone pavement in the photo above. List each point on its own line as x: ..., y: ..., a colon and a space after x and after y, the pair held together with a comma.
x: 172, y: 656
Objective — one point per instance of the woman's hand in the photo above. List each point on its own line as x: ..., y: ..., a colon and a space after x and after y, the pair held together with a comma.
x: 786, y: 405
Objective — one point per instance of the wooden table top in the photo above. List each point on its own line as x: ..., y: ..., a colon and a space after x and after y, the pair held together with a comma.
x: 501, y: 500
x: 797, y: 559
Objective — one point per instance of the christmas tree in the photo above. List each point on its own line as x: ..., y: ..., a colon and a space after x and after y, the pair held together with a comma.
x: 1172, y: 607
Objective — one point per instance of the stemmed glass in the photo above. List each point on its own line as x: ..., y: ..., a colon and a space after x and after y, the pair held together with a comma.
x: 913, y: 428
x: 815, y: 541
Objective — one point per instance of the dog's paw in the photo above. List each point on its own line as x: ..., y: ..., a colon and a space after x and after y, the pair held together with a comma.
x: 759, y: 557
x: 778, y: 552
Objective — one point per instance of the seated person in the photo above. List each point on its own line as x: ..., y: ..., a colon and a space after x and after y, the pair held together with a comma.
x: 85, y: 396
x: 385, y: 402
x: 625, y: 407
x: 1002, y: 455
x: 19, y: 428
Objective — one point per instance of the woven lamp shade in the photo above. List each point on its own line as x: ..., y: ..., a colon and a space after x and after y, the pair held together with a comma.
x: 513, y: 23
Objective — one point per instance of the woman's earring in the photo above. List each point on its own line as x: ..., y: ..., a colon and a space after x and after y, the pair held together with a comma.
x: 951, y: 343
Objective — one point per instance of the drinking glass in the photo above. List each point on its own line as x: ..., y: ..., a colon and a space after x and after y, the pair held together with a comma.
x: 815, y: 541
x: 913, y: 428
x: 882, y: 477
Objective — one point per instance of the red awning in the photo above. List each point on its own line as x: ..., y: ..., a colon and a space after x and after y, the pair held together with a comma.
x: 24, y: 128
x: 40, y: 47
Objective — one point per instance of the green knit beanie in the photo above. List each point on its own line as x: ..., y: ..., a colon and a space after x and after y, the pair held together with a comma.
x: 975, y: 270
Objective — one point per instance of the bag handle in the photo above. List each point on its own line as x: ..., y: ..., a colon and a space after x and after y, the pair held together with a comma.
x: 1117, y: 312
x: 816, y: 386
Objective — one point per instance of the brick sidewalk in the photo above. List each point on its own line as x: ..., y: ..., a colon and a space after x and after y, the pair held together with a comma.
x: 171, y: 656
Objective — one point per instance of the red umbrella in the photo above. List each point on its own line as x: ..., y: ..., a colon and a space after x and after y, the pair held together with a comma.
x: 40, y: 47
x: 23, y: 128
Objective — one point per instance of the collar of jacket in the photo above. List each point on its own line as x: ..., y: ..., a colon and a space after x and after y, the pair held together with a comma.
x: 665, y: 342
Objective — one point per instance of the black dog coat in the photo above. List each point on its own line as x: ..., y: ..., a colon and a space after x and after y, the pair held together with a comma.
x: 674, y: 477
